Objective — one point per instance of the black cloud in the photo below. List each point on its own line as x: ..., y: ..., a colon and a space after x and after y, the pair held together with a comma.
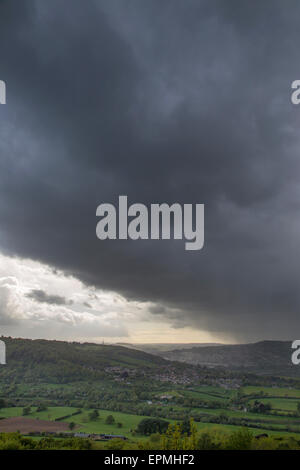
x: 165, y: 102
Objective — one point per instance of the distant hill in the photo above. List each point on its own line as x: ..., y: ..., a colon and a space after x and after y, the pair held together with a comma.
x: 158, y: 348
x: 36, y: 361
x: 60, y: 361
x: 265, y: 357
x: 113, y: 377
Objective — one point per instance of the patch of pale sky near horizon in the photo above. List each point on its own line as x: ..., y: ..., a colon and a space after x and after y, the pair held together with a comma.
x: 89, y: 314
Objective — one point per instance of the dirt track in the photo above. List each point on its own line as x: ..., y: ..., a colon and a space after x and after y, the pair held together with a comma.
x: 25, y: 425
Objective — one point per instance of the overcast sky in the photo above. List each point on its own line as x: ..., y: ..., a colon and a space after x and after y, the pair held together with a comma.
x: 163, y: 101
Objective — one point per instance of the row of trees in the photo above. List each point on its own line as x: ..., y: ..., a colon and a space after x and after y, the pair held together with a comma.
x: 175, y: 439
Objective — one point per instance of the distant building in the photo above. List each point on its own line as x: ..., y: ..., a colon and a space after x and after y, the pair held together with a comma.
x: 81, y: 434
x: 99, y: 437
x: 166, y: 397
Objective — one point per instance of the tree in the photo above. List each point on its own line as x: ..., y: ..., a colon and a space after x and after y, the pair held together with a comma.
x: 259, y: 407
x: 172, y: 439
x: 206, y: 442
x: 240, y: 440
x: 110, y: 420
x: 186, y: 426
x: 26, y: 410
x: 152, y: 425
x: 2, y: 403
x: 155, y: 438
x: 71, y: 425
x: 94, y: 415
x: 120, y: 425
x: 115, y: 444
x: 42, y: 407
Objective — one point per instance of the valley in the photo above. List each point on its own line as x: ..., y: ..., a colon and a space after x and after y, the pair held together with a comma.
x: 49, y: 380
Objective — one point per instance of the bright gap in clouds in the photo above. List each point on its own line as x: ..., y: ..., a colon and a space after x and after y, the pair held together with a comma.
x: 37, y: 301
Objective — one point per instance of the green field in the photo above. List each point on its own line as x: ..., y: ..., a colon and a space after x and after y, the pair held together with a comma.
x: 273, y: 391
x: 130, y: 421
x: 132, y: 385
x: 83, y: 424
x: 281, y: 404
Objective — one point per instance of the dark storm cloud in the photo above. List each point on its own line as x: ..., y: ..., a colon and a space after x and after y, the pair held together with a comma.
x: 41, y: 296
x: 165, y: 102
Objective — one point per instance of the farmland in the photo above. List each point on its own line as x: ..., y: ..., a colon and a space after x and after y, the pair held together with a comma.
x: 66, y: 382
x: 28, y: 425
x: 82, y: 421
x: 224, y: 410
x: 129, y: 422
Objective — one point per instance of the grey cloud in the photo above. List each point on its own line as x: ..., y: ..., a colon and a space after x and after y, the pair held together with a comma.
x: 162, y: 101
x: 157, y: 309
x: 41, y: 296
x: 86, y: 304
x: 7, y: 306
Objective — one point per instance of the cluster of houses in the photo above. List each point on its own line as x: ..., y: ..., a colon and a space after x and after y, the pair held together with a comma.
x: 122, y: 374
x: 173, y: 377
x: 228, y: 384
